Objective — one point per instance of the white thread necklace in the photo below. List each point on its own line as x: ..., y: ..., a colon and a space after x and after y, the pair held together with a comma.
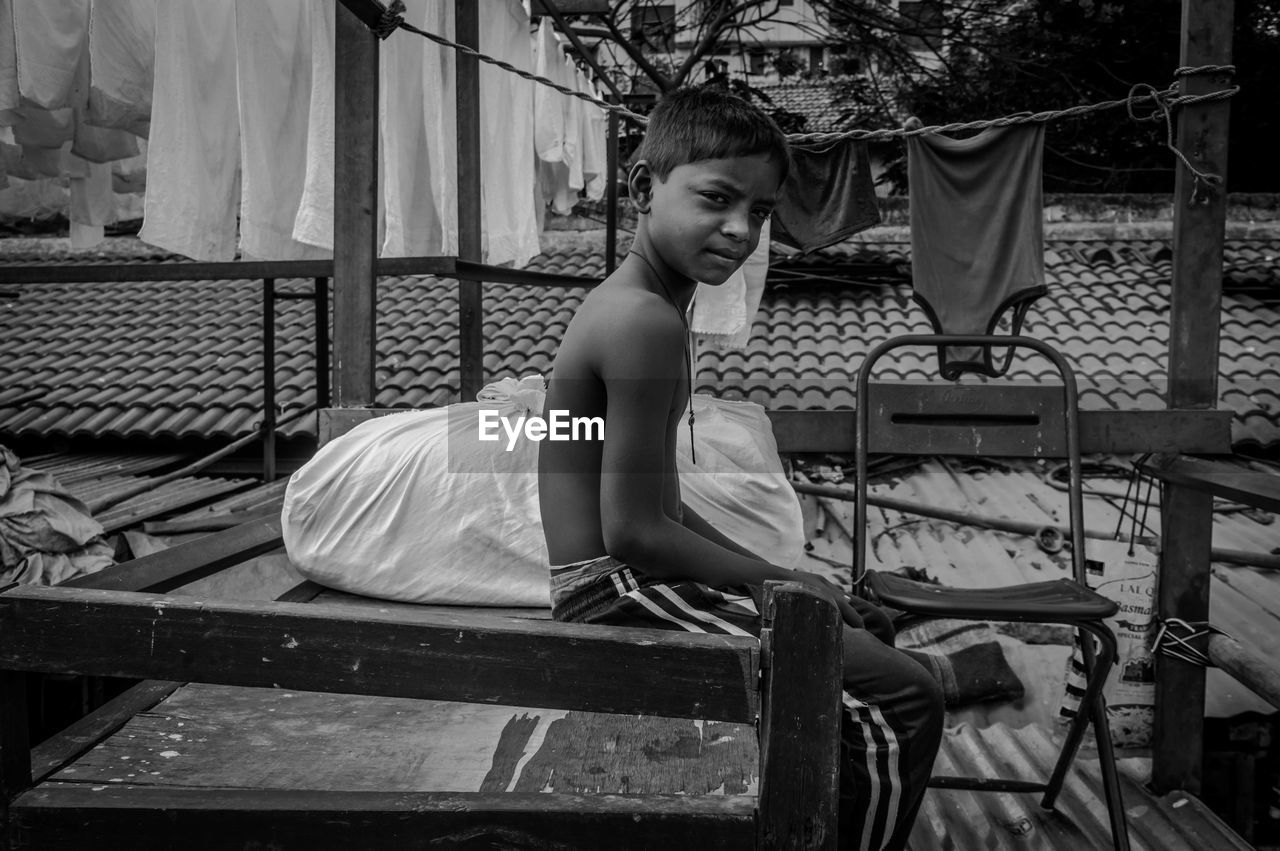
x: 688, y: 348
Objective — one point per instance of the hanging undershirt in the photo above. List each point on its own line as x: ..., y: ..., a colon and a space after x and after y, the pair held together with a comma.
x: 273, y: 72
x: 193, y: 165
x: 977, y: 233
x: 828, y: 195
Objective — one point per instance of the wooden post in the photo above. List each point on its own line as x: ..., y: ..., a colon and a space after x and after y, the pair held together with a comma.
x: 15, y: 746
x: 355, y: 209
x: 1198, y: 227
x: 800, y: 661
x: 470, y: 187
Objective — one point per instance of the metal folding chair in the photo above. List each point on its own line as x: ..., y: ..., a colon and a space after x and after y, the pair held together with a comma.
x: 933, y: 418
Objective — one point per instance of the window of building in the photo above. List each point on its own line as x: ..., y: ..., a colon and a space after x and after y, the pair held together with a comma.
x: 654, y: 25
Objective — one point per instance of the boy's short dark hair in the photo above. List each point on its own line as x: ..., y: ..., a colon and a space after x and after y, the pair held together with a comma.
x: 708, y: 123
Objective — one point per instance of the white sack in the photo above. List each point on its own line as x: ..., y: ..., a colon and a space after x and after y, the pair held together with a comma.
x: 388, y: 510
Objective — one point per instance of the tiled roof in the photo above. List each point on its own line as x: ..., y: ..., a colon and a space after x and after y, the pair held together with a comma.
x: 183, y: 360
x: 818, y: 102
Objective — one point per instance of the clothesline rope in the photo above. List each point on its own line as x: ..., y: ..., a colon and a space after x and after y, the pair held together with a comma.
x: 1165, y: 100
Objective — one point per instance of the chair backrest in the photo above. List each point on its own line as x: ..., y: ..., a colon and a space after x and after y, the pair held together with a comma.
x: 945, y: 418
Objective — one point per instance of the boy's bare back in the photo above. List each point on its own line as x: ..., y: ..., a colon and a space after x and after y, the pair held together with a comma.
x: 621, y: 358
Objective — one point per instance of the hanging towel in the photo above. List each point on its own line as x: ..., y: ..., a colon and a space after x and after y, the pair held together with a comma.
x: 194, y: 159
x: 49, y: 38
x: 273, y: 70
x: 977, y: 234
x: 827, y: 197
x: 723, y: 315
x: 122, y: 56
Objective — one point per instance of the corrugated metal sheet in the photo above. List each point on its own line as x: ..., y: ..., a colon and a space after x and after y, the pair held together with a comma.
x: 955, y: 820
x: 1244, y: 601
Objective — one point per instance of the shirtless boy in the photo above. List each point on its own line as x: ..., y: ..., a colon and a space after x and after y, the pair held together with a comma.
x: 625, y: 550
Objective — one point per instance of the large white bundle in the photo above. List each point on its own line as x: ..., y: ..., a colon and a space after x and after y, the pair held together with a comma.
x: 413, y: 507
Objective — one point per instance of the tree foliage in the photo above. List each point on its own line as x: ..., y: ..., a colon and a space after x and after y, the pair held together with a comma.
x: 1042, y: 55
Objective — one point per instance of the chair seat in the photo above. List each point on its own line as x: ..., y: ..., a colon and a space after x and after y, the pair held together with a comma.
x: 1057, y: 601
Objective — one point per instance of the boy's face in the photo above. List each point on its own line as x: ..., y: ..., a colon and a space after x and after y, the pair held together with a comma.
x: 705, y: 218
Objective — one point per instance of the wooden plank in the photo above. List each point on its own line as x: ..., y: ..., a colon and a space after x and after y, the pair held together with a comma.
x: 403, y: 654
x: 187, y: 562
x: 67, y: 746
x: 120, y: 816
x: 470, y: 193
x: 800, y: 719
x: 1199, y: 222
x: 570, y: 7
x: 1261, y: 490
x: 210, y: 736
x: 355, y: 210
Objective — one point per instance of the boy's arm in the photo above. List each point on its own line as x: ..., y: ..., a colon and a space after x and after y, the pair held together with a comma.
x: 638, y: 367
x: 696, y: 523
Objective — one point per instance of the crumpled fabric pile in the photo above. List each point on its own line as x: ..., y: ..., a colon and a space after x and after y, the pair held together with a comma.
x: 47, y: 536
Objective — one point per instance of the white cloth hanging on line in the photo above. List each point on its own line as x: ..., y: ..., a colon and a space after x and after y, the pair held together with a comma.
x: 723, y: 315
x: 193, y: 185
x: 273, y: 73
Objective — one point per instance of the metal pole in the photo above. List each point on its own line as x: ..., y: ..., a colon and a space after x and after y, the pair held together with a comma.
x: 268, y: 379
x: 321, y: 305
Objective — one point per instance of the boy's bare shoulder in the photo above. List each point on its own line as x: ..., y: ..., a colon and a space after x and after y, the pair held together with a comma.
x: 622, y: 320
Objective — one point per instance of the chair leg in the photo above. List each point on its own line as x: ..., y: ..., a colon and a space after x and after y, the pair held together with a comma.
x: 1093, y: 708
x: 1096, y: 670
x: 1110, y: 776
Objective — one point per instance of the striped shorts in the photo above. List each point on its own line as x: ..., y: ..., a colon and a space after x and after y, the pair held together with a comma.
x: 603, y: 590
x: 889, y: 731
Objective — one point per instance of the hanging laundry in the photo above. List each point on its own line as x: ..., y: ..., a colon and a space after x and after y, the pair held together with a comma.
x: 440, y: 112
x: 122, y: 56
x: 723, y: 315
x: 93, y: 204
x: 827, y: 197
x: 9, y: 97
x: 194, y: 158
x: 273, y: 72
x: 595, y: 140
x: 49, y: 40
x: 313, y: 222
x: 413, y: 219
x: 557, y: 124
x: 977, y: 234
x: 506, y: 131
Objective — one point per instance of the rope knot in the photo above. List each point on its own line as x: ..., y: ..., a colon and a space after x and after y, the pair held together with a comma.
x: 392, y: 18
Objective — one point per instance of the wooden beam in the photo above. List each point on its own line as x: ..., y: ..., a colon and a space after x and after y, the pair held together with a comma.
x: 1111, y: 432
x: 1261, y: 490
x: 64, y: 748
x: 70, y: 815
x: 801, y: 650
x: 318, y: 647
x: 1199, y: 222
x: 470, y: 192
x: 355, y: 210
x: 178, y: 565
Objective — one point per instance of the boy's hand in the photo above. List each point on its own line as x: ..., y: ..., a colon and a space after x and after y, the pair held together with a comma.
x: 832, y: 592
